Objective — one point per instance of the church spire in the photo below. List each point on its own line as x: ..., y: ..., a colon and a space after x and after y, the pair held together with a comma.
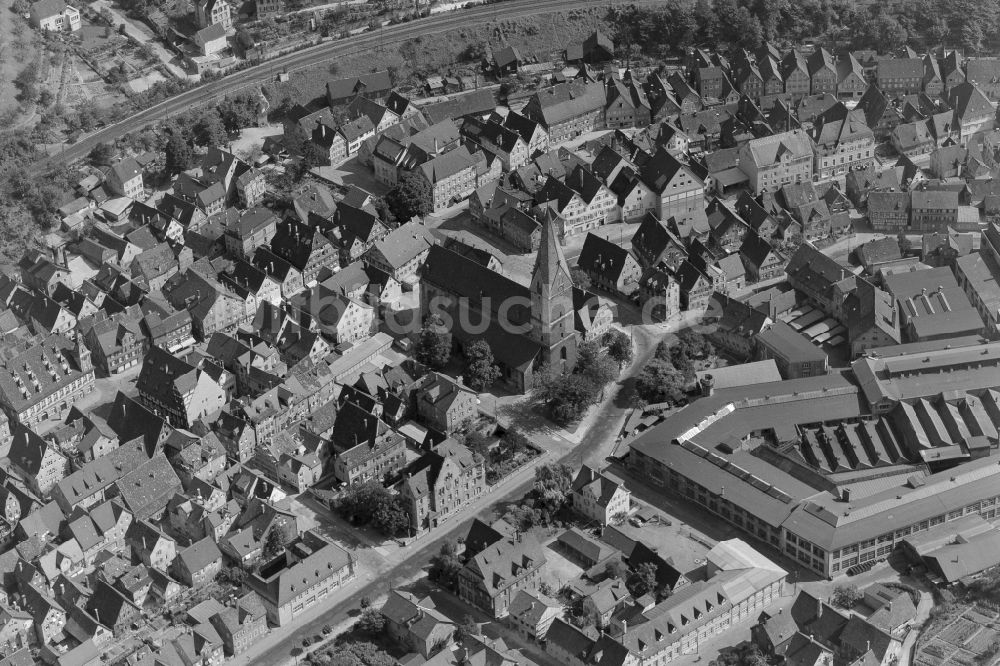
x: 550, y: 259
x: 552, y: 324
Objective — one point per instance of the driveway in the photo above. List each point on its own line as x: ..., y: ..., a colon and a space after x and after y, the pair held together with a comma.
x: 923, y: 612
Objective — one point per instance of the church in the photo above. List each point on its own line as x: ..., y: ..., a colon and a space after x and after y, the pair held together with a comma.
x: 526, y: 327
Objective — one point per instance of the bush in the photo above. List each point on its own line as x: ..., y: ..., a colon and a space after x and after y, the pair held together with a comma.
x: 846, y: 596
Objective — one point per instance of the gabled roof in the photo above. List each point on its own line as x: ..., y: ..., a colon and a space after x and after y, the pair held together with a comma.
x: 602, y: 257
x: 405, y: 243
x: 374, y: 83
x: 969, y: 102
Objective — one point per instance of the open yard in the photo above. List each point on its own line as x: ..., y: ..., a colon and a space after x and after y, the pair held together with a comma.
x: 958, y: 637
x: 539, y: 38
x: 18, y: 47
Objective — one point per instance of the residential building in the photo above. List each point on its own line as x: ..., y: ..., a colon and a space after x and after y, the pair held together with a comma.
x: 125, y: 179
x: 198, y: 564
x: 242, y: 625
x: 933, y: 210
x: 900, y: 76
x: 776, y: 160
x: 626, y: 105
x: 342, y: 142
x: 211, y: 40
x: 211, y: 12
x: 851, y: 81
x: 815, y: 632
x: 532, y: 613
x: 251, y: 230
x: 41, y: 464
x: 823, y: 75
x: 582, y: 201
x: 416, y: 624
x: 795, y: 74
x: 438, y: 484
x: 609, y: 266
x: 363, y: 447
x: 401, y: 252
x: 451, y: 176
x: 299, y: 577
x: 974, y: 113
x: 680, y: 191
x: 497, y: 567
x: 116, y: 342
x: 43, y: 380
x: 984, y: 73
x: 375, y: 86
x: 54, y: 15
x: 842, y: 142
x: 445, y: 404
x: 599, y: 496
x: 889, y: 212
x: 176, y: 390
x: 567, y: 110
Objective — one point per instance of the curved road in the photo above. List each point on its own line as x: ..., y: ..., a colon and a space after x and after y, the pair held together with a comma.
x: 604, y: 429
x: 311, y: 56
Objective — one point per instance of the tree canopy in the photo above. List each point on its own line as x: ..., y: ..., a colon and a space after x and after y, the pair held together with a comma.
x: 480, y: 369
x: 433, y: 347
x: 411, y: 197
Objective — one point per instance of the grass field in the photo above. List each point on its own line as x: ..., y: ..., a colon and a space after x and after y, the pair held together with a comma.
x: 540, y: 38
x: 17, y: 48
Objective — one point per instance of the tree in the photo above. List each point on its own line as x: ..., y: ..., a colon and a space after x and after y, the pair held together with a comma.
x: 383, y: 212
x: 846, y: 596
x: 905, y: 244
x: 553, y: 483
x: 102, y: 154
x: 619, y: 347
x: 659, y: 381
x: 178, y: 154
x: 433, y: 347
x: 26, y: 83
x: 209, y: 130
x: 390, y: 517
x: 570, y: 397
x: 615, y: 568
x: 273, y: 543
x: 313, y: 155
x: 580, y: 278
x: 368, y: 502
x: 412, y: 197
x: 239, y: 112
x: 295, y: 139
x: 643, y: 580
x: 466, y: 629
x: 445, y: 566
x: 371, y: 621
x: 480, y: 370
x: 244, y: 39
x: 695, y: 344
x: 601, y: 372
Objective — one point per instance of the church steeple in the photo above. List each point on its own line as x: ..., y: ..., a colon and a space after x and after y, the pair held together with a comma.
x: 552, y: 302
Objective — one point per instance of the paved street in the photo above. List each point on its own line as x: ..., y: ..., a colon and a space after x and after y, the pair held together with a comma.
x: 592, y: 441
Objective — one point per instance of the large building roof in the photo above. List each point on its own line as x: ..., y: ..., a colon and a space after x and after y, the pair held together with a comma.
x: 928, y: 373
x: 769, y: 150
